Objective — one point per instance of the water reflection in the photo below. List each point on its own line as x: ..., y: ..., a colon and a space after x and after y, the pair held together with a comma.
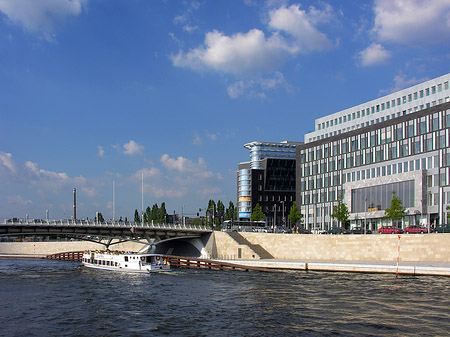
x: 60, y: 298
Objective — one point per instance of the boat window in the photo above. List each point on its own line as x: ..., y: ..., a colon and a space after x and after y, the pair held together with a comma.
x: 107, y: 263
x: 126, y: 258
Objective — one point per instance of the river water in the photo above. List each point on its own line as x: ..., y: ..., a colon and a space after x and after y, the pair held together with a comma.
x: 58, y: 298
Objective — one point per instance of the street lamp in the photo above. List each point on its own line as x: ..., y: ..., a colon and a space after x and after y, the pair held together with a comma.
x: 284, y: 221
x: 365, y: 215
x: 274, y: 218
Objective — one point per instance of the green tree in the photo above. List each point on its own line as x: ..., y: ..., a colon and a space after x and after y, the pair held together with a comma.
x: 211, y: 212
x: 230, y: 212
x: 220, y: 210
x: 137, y: 218
x: 154, y: 213
x: 448, y: 214
x: 257, y: 214
x: 294, y: 215
x: 396, y: 211
x: 100, y: 217
x: 162, y: 213
x: 340, y: 212
x: 148, y: 215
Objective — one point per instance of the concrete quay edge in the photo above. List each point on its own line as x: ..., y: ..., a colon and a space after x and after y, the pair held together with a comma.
x: 383, y: 267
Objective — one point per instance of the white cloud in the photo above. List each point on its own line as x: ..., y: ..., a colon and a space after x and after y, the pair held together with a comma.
x: 19, y: 200
x: 179, y: 177
x: 101, y: 151
x: 39, y: 16
x: 166, y: 192
x: 214, y: 190
x: 39, y: 174
x: 7, y: 162
x: 247, y: 54
x: 182, y: 165
x: 189, y: 170
x: 375, y: 54
x: 302, y: 25
x: 258, y: 87
x: 197, y: 139
x: 90, y: 191
x: 152, y: 172
x: 240, y: 54
x: 402, y: 82
x: 412, y: 21
x: 190, y: 28
x: 132, y: 148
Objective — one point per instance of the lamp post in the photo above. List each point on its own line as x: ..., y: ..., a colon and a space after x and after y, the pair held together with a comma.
x: 365, y: 215
x: 274, y: 218
x: 284, y: 221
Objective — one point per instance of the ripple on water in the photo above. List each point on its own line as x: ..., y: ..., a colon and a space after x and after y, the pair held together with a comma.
x: 42, y: 297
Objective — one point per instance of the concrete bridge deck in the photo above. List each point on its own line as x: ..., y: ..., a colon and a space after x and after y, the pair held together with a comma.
x: 92, y: 230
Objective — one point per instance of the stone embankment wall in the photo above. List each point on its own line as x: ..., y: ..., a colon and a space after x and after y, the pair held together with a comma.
x: 228, y: 249
x: 40, y: 249
x: 375, y: 247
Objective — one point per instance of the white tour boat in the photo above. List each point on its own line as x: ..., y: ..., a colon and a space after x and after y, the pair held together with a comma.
x: 126, y: 261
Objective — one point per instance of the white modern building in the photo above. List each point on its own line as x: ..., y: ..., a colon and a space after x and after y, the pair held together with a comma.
x: 395, y: 143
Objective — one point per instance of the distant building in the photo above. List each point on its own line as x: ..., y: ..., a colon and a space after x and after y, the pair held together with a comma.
x: 398, y: 142
x: 268, y: 179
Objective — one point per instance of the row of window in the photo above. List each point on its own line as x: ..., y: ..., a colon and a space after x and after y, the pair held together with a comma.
x: 407, y: 129
x: 275, y: 199
x: 378, y: 120
x: 377, y: 154
x: 328, y: 180
x: 383, y: 106
x: 102, y: 262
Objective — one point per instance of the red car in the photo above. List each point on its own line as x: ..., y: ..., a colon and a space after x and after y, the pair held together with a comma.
x: 390, y: 230
x: 416, y: 229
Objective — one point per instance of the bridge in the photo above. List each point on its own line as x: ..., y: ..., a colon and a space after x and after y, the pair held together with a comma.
x: 109, y: 233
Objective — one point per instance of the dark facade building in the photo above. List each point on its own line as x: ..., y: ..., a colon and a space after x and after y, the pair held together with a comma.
x: 268, y: 180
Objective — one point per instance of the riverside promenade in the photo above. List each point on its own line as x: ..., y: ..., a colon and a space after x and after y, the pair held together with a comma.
x: 404, y: 268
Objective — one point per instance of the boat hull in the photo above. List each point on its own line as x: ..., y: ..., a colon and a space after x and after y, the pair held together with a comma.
x: 126, y: 262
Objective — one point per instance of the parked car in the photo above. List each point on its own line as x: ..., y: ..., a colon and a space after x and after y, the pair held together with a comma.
x: 319, y: 231
x: 283, y: 230
x: 359, y: 230
x: 390, y: 230
x: 415, y: 229
x: 303, y: 231
x: 442, y: 229
x: 338, y: 230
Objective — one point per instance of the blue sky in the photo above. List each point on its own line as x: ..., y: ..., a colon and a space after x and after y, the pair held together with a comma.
x: 96, y: 91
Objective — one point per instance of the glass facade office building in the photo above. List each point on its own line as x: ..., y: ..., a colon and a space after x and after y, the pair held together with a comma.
x: 399, y: 143
x: 268, y: 179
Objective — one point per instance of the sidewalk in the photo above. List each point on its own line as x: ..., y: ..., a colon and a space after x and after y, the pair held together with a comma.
x: 404, y: 268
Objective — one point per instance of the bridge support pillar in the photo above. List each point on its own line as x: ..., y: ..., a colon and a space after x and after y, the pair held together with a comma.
x: 198, y: 244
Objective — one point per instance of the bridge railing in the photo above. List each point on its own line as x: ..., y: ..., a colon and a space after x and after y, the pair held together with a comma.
x: 93, y: 223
